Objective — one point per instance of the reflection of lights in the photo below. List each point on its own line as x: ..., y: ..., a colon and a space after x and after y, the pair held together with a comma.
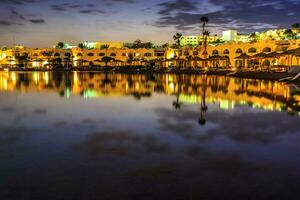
x: 75, y: 77
x: 172, y: 87
x: 3, y: 83
x: 14, y: 77
x: 87, y: 94
x: 35, y: 77
x: 137, y: 86
x: 226, y: 105
x: 35, y: 64
x: 67, y: 92
x: 46, y: 77
x: 170, y: 78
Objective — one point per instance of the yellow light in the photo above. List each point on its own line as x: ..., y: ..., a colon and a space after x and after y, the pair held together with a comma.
x: 34, y: 64
x: 46, y: 77
x: 172, y: 87
x: 14, y: 78
x: 45, y: 63
x: 36, y: 77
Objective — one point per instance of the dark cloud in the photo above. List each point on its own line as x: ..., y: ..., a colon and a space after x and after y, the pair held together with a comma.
x: 37, y: 21
x: 19, y: 2
x: 84, y: 8
x: 58, y: 7
x: 91, y: 11
x: 178, y: 5
x: 121, y: 143
x: 120, y: 1
x: 9, y: 23
x: 17, y: 14
x: 263, y: 128
x: 244, y: 15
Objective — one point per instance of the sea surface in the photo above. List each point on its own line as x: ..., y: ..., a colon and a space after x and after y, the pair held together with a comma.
x: 90, y: 136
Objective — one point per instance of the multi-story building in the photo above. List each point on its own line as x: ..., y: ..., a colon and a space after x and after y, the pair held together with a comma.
x: 195, y: 40
x: 229, y: 35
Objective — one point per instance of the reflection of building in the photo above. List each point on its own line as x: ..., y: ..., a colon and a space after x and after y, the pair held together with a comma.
x: 223, y: 91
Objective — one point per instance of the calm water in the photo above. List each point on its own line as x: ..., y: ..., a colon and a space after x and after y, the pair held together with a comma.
x: 111, y: 136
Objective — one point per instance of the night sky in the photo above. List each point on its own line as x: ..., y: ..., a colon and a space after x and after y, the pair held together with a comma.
x: 42, y: 23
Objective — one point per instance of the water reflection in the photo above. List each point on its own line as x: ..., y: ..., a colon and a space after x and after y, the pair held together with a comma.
x: 120, y: 136
x: 188, y: 89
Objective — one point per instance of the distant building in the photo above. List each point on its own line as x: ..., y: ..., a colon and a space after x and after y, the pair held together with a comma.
x: 117, y: 45
x: 98, y: 45
x: 194, y: 40
x: 189, y: 40
x: 229, y: 35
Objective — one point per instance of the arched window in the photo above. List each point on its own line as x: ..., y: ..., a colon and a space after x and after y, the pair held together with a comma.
x: 113, y: 54
x: 147, y: 54
x: 239, y: 50
x: 101, y: 54
x: 215, y: 52
x: 68, y: 54
x: 90, y: 54
x: 267, y: 50
x: 195, y: 53
x: 252, y: 50
x: 226, y: 51
x: 79, y: 54
x: 57, y: 55
x: 124, y: 54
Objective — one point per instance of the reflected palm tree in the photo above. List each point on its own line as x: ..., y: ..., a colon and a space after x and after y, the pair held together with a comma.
x: 177, y: 104
x: 203, y: 108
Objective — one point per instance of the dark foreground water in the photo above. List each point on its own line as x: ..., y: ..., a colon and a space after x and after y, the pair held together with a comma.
x: 103, y: 136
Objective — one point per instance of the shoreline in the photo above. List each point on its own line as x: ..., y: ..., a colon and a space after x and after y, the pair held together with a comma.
x: 271, y: 76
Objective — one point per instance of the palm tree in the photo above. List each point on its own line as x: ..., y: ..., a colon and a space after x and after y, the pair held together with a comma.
x: 166, y: 45
x: 60, y: 45
x: 177, y: 37
x: 106, y: 60
x: 205, y: 35
x: 177, y: 104
x: 47, y: 54
x: 137, y: 44
x: 296, y: 26
x: 203, y: 108
x: 22, y: 60
x: 81, y: 45
x: 104, y: 46
x: 204, y: 21
x: 288, y: 34
x: 253, y: 37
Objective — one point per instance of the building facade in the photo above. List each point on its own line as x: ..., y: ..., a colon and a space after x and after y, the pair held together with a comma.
x: 231, y: 54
